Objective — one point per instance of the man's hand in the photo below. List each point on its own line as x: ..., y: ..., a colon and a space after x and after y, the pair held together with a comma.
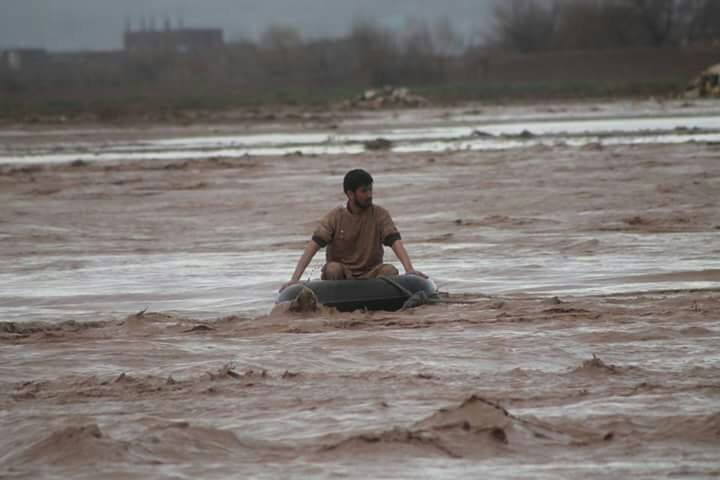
x: 404, y: 258
x: 310, y: 250
x: 416, y: 272
x: 291, y: 282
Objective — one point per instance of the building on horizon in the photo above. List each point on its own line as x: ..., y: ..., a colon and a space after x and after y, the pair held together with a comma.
x: 179, y: 40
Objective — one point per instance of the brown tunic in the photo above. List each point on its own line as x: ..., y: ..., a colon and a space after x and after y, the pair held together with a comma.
x: 356, y: 240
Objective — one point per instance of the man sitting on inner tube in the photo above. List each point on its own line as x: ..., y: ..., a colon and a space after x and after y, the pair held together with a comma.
x: 354, y: 235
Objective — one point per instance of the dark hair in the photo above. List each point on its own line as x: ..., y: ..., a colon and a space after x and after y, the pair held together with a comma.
x: 355, y: 179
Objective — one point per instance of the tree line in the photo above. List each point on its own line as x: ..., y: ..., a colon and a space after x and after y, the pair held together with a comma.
x: 536, y: 25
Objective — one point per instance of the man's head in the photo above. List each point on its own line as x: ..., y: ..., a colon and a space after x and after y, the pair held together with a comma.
x: 358, y: 188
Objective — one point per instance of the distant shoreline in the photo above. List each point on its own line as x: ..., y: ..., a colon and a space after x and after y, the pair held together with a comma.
x: 175, y: 96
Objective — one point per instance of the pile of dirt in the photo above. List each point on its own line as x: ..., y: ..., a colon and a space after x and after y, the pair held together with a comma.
x: 707, y: 84
x: 387, y: 97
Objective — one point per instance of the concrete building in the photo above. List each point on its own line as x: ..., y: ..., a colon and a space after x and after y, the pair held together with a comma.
x: 183, y: 40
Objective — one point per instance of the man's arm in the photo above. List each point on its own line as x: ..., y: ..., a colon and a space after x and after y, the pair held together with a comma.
x: 310, y: 250
x: 404, y: 258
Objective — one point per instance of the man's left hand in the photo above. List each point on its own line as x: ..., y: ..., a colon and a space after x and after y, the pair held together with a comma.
x: 416, y: 272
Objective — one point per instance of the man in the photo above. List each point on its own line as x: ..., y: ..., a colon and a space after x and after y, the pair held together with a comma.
x: 354, y: 235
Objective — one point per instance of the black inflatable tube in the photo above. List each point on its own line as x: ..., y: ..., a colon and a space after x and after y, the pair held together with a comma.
x: 385, y: 293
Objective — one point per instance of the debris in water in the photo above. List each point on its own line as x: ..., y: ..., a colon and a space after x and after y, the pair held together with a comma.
x: 305, y: 302
x: 378, y: 144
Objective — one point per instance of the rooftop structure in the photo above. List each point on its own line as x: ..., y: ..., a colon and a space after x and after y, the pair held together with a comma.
x: 183, y: 40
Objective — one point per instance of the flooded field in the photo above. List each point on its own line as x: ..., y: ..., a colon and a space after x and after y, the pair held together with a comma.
x: 427, y: 131
x: 138, y: 268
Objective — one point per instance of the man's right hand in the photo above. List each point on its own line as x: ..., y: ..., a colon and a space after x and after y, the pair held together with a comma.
x: 291, y: 282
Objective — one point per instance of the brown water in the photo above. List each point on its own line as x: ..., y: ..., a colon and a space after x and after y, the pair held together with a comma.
x: 588, y: 346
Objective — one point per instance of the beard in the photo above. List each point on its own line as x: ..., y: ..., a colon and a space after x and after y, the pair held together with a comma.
x: 364, y: 205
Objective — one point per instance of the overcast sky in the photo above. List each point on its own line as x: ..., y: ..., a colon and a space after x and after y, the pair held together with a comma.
x: 99, y: 24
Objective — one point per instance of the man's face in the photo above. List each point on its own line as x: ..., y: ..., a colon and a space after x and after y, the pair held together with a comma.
x: 361, y: 197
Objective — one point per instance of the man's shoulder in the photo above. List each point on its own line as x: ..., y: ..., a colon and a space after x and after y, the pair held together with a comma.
x: 338, y: 209
x: 335, y: 211
x: 379, y: 210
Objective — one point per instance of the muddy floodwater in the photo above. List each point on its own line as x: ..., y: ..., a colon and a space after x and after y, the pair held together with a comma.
x: 581, y: 244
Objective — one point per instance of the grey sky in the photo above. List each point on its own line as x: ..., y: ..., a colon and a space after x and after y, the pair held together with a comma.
x: 98, y: 24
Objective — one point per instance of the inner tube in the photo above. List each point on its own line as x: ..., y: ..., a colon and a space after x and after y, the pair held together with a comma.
x: 382, y: 293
